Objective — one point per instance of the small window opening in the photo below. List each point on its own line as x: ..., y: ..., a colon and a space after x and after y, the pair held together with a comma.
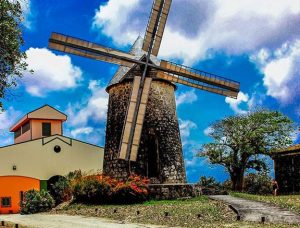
x: 46, y: 129
x: 6, y: 202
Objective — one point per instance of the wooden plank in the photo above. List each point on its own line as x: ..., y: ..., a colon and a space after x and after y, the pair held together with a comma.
x: 160, y: 26
x: 140, y: 119
x: 129, y: 118
x: 200, y: 77
x: 175, y: 79
x: 76, y: 46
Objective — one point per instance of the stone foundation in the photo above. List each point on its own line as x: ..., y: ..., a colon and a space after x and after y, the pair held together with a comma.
x: 174, y: 191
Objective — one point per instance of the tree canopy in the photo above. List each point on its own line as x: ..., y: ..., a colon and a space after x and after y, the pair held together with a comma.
x: 238, y: 140
x: 12, y: 59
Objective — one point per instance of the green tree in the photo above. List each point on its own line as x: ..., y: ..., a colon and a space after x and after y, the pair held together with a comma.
x: 239, y: 140
x: 12, y: 59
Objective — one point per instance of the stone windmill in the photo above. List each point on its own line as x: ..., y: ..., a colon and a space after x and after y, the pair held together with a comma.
x: 142, y: 132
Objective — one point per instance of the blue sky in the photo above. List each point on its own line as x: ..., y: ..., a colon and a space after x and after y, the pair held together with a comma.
x: 256, y: 43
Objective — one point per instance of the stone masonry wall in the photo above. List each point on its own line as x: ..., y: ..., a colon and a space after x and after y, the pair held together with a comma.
x: 160, y: 153
x: 287, y: 173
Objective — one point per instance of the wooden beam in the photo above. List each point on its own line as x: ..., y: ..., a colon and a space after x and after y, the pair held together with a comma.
x: 199, y: 76
x: 185, y: 81
x: 87, y: 49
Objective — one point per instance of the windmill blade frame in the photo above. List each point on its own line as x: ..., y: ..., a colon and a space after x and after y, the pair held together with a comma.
x: 160, y: 11
x: 72, y: 45
x: 198, y: 75
x: 196, y: 84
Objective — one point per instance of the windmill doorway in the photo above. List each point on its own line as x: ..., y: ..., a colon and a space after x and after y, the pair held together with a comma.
x: 153, y: 165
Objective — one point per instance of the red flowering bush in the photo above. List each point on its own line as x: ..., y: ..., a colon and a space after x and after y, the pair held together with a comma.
x: 99, y: 189
x: 133, y: 190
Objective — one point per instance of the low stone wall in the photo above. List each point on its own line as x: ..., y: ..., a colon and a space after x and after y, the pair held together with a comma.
x: 174, y: 191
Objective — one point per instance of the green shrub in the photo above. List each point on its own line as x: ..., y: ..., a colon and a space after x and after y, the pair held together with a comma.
x: 258, y: 183
x: 211, y: 187
x: 227, y: 185
x: 61, y: 190
x: 91, y: 189
x: 36, y: 201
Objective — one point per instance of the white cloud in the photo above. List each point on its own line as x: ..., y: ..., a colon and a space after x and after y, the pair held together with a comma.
x: 93, y: 107
x: 112, y: 19
x: 236, y: 103
x: 281, y: 70
x: 233, y: 26
x: 27, y: 13
x: 186, y: 97
x: 185, y: 127
x: 7, y: 119
x: 81, y: 131
x: 51, y: 72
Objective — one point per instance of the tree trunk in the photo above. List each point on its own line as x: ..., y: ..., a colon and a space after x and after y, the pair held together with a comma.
x: 237, y: 179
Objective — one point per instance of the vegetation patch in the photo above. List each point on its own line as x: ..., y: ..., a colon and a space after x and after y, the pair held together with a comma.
x: 36, y: 201
x: 196, y: 212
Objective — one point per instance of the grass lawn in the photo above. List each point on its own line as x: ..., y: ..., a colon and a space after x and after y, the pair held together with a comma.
x: 291, y: 202
x: 197, y: 212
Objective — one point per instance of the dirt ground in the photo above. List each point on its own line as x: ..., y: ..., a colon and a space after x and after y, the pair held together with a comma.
x: 67, y: 221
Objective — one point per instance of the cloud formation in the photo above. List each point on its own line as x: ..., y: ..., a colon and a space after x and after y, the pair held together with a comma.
x: 235, y: 104
x: 187, y: 97
x: 185, y: 127
x: 93, y: 107
x: 198, y: 28
x: 281, y: 70
x: 51, y: 72
x: 7, y: 119
x: 112, y: 20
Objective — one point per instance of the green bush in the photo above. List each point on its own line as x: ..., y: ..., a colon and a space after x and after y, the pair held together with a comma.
x: 61, y: 190
x: 36, y: 201
x: 258, y: 183
x: 91, y: 189
x: 211, y: 187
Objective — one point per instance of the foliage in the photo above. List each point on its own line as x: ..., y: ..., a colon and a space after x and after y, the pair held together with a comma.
x: 290, y: 202
x: 61, y: 190
x: 209, y: 182
x: 227, y: 185
x: 99, y: 189
x: 12, y: 59
x: 36, y: 201
x: 91, y: 189
x: 258, y: 183
x: 133, y: 190
x: 210, y: 186
x: 238, y: 140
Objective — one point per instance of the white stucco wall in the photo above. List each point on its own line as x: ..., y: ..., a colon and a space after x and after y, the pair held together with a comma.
x: 37, y: 158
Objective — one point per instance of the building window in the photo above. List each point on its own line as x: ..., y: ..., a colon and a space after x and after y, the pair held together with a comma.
x: 46, y: 129
x: 5, y: 202
x: 25, y: 127
x: 17, y: 133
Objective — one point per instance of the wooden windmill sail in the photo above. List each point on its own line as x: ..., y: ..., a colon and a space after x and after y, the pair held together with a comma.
x: 166, y: 70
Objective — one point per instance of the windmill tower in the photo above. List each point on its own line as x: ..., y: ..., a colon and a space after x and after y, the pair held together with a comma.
x: 142, y: 132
